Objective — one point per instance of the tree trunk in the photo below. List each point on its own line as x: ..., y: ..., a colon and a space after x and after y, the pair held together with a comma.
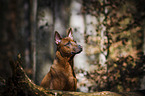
x: 33, y: 28
x: 14, y: 33
x: 143, y: 79
x: 61, y: 16
x: 44, y: 38
x: 80, y: 60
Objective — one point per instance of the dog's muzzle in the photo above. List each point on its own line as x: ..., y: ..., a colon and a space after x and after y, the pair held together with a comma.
x: 77, y: 50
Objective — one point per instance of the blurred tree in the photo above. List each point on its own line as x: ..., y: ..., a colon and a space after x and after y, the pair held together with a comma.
x: 53, y: 15
x: 122, y: 41
x: 14, y: 35
x: 44, y: 38
x: 77, y: 22
x: 78, y: 25
x: 33, y: 13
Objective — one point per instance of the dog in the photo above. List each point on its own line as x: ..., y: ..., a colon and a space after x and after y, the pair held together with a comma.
x: 61, y: 75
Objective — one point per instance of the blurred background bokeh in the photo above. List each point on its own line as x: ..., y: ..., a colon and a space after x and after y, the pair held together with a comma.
x: 112, y: 33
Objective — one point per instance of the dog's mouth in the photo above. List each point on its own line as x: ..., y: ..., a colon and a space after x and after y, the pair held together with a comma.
x: 78, y: 50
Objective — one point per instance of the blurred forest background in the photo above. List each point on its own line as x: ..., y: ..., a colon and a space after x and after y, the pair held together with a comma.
x: 112, y: 33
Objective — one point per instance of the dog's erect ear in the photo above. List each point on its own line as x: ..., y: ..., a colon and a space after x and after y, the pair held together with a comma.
x: 70, y: 33
x: 57, y: 37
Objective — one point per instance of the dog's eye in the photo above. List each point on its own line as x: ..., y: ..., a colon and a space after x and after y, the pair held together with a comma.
x: 67, y: 44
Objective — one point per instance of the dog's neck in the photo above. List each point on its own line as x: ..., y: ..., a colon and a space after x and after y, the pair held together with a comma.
x: 63, y: 60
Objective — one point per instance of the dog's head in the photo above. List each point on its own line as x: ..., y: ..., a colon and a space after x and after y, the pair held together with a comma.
x: 67, y: 46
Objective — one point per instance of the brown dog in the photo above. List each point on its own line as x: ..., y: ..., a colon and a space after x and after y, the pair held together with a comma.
x: 61, y: 75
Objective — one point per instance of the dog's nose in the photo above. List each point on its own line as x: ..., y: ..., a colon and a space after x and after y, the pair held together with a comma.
x: 80, y: 47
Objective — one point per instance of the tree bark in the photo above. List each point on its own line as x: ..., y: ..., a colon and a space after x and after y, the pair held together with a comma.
x: 143, y: 79
x: 33, y: 28
x: 80, y: 60
x: 44, y: 38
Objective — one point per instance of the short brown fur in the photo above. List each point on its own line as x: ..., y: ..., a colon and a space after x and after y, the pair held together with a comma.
x: 61, y: 75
